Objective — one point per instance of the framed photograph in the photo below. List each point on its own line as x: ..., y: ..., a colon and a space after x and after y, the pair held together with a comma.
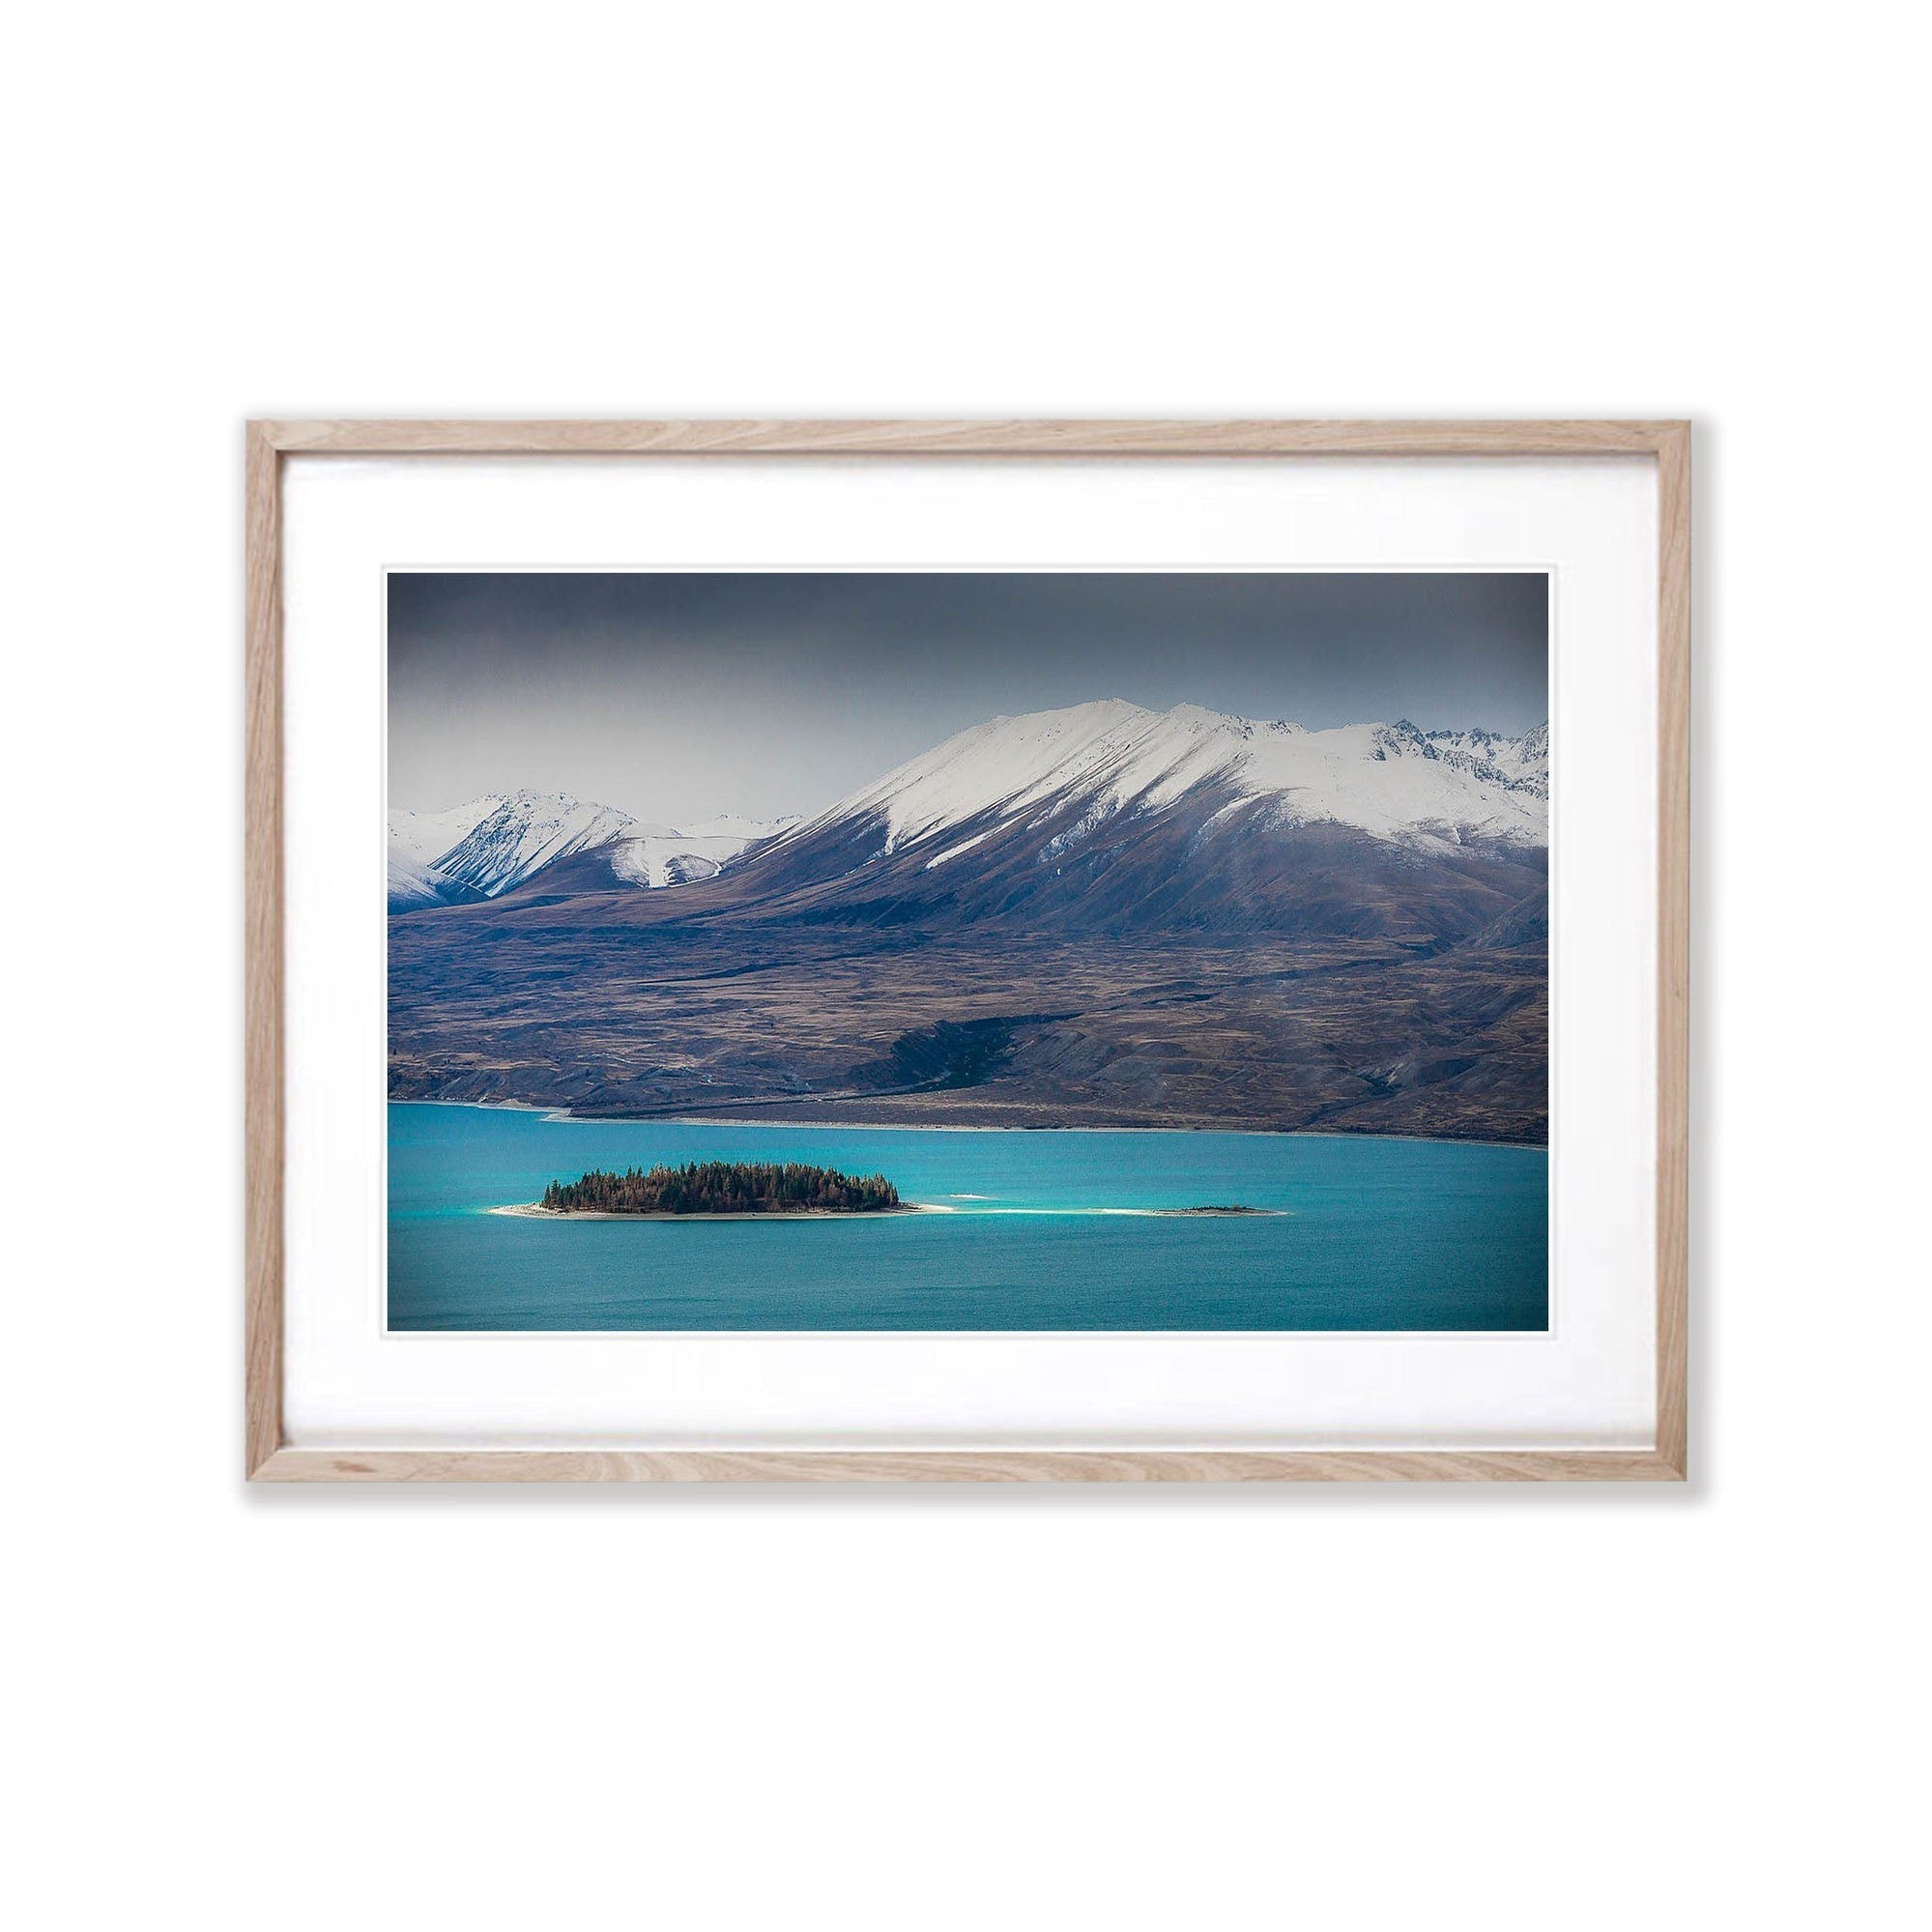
x: 956, y: 951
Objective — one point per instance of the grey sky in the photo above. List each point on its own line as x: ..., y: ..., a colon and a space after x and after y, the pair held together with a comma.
x: 676, y: 697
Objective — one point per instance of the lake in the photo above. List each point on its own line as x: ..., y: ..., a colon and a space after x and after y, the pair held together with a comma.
x: 1046, y: 1230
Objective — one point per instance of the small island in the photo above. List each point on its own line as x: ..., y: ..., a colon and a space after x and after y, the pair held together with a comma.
x: 714, y: 1188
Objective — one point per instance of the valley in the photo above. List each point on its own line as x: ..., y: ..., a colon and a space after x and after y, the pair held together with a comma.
x: 1339, y: 1035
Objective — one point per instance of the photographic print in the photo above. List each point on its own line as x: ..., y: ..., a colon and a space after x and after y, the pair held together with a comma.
x: 899, y: 950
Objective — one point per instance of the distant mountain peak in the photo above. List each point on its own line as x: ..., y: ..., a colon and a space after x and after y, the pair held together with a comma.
x: 526, y: 831
x: 485, y: 846
x: 493, y: 844
x: 659, y: 856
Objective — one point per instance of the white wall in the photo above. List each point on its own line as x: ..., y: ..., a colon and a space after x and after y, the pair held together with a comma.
x: 981, y: 1709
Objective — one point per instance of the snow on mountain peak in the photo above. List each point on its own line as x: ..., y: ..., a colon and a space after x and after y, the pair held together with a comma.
x: 524, y: 831
x: 481, y: 849
x: 1070, y: 769
x: 490, y: 844
x: 1393, y: 781
x: 661, y: 855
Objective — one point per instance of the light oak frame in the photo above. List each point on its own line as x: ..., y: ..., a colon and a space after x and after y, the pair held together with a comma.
x: 270, y: 1459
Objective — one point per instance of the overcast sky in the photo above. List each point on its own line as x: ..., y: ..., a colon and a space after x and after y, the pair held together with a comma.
x: 676, y: 697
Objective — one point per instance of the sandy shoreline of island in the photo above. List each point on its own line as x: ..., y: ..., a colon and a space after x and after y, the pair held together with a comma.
x: 531, y: 1210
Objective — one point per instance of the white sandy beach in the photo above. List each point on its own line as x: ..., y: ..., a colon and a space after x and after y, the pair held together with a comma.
x: 535, y: 1211
x: 531, y: 1210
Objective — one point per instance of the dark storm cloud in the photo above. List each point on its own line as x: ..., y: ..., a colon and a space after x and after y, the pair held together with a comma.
x: 678, y: 696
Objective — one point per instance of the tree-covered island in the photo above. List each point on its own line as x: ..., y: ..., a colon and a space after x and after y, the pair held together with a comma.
x: 724, y: 1187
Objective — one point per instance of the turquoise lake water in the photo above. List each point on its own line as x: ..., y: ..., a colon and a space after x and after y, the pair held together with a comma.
x: 1371, y: 1233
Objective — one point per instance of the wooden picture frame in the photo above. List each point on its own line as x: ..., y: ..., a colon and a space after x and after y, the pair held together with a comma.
x: 268, y: 1457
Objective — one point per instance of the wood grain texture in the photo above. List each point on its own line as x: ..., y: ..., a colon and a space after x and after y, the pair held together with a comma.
x: 1073, y: 438
x: 1673, y: 947
x: 263, y: 963
x: 269, y: 1459
x: 1054, y: 1465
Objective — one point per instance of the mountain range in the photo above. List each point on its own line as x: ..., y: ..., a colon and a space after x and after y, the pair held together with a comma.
x: 1098, y: 916
x: 493, y: 844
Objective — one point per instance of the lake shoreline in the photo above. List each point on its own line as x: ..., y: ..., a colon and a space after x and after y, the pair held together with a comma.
x: 563, y: 1116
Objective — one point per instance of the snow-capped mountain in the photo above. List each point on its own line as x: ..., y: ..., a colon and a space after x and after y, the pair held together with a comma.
x: 1067, y: 773
x: 493, y: 844
x: 485, y: 846
x: 520, y: 834
x: 656, y: 856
